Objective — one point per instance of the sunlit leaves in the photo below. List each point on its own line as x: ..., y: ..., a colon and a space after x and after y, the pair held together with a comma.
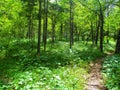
x: 113, y: 19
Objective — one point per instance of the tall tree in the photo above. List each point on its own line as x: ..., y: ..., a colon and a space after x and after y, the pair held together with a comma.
x: 117, y: 50
x: 39, y: 27
x: 101, y: 26
x: 30, y: 18
x: 97, y: 30
x: 45, y: 21
x: 71, y: 23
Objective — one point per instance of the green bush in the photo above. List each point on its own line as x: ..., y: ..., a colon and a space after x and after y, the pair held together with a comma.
x: 111, y: 69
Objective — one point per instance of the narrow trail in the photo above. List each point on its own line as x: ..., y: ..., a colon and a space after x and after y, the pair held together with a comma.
x: 95, y: 79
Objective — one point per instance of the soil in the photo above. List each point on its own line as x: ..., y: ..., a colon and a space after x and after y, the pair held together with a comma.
x: 95, y: 79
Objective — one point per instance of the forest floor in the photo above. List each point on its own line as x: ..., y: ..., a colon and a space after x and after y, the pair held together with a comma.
x: 95, y: 79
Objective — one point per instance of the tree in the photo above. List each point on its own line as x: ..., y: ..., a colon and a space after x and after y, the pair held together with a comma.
x: 71, y: 23
x: 101, y: 26
x: 117, y: 50
x: 54, y: 14
x: 99, y: 11
x: 39, y: 27
x: 45, y: 23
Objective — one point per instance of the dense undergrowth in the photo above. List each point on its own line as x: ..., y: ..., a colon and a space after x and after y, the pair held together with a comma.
x: 57, y: 68
x: 111, y: 71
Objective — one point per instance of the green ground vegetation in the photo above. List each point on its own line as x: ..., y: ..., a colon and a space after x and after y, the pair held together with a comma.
x: 58, y: 68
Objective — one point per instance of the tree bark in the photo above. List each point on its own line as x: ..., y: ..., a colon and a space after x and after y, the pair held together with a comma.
x: 45, y: 23
x: 117, y: 50
x: 101, y: 27
x: 92, y: 33
x: 61, y: 31
x: 101, y: 30
x: 71, y: 24
x: 97, y: 31
x: 39, y: 27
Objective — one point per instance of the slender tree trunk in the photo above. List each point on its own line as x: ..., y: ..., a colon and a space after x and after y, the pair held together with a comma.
x: 117, y: 50
x: 30, y: 21
x: 115, y: 36
x: 101, y: 30
x: 45, y: 23
x: 29, y: 27
x: 61, y: 31
x: 92, y: 33
x: 72, y: 31
x: 97, y: 31
x: 101, y: 27
x: 108, y: 26
x: 53, y: 29
x: 71, y: 24
x: 39, y: 27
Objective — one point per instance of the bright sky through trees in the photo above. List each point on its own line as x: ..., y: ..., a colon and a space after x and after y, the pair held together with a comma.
x: 52, y: 0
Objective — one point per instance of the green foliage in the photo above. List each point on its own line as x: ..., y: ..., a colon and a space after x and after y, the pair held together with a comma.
x: 45, y: 78
x: 59, y: 68
x: 87, y: 53
x: 109, y: 47
x: 111, y: 71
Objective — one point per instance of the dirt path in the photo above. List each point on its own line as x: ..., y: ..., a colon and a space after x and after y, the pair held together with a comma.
x: 95, y: 80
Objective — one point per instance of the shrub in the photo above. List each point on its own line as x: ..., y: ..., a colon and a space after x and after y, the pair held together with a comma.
x: 111, y: 69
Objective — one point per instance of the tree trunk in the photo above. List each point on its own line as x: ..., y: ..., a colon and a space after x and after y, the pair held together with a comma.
x: 61, y: 31
x: 108, y: 26
x: 97, y: 31
x: 101, y: 18
x: 45, y: 23
x: 39, y: 27
x: 77, y: 33
x: 92, y: 33
x: 71, y: 24
x: 117, y: 50
x: 53, y: 29
x: 101, y: 30
x: 30, y: 21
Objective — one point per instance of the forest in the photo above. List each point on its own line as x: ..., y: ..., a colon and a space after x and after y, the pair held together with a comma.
x: 59, y: 44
